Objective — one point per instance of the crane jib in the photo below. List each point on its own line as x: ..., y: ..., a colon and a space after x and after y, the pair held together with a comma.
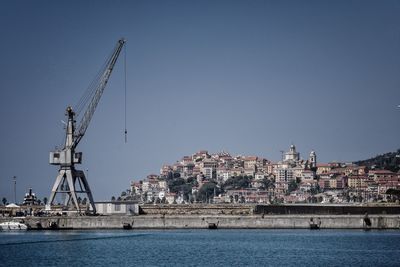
x: 84, y: 123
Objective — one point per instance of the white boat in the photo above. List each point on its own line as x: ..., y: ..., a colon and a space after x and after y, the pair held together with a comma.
x: 13, y: 226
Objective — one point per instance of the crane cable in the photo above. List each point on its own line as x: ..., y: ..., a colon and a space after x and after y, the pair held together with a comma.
x: 91, y: 89
x: 126, y: 131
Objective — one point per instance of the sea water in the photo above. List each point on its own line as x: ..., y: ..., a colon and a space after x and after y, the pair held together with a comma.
x: 201, y: 248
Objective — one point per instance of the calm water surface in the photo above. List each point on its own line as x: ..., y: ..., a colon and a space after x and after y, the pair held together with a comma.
x: 201, y: 248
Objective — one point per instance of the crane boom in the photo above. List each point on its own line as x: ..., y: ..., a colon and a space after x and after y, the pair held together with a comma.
x: 84, y: 123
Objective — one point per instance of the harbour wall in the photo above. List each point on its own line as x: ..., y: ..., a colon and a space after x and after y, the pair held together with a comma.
x: 197, y: 209
x: 328, y: 209
x: 202, y: 222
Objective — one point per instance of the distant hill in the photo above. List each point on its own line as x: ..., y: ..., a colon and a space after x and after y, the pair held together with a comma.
x: 388, y: 161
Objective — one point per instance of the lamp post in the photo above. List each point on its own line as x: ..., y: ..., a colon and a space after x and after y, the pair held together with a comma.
x: 15, y: 189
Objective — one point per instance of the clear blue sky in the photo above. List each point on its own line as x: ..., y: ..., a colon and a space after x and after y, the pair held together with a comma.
x: 249, y: 77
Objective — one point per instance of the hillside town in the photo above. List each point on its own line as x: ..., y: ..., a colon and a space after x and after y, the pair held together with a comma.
x: 222, y: 178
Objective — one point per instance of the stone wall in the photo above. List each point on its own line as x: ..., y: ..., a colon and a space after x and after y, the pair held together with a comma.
x: 332, y: 209
x: 197, y: 209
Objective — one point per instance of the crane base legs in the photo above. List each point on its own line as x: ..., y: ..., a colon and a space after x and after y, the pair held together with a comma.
x: 71, y: 182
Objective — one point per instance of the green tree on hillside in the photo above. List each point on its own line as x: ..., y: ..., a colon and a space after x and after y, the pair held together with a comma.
x: 394, y: 194
x: 181, y: 186
x: 293, y: 185
x: 207, y: 191
x: 315, y: 190
x: 388, y: 161
x: 237, y: 182
x: 266, y: 183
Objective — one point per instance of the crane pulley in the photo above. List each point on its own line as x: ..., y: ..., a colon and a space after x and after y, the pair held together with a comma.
x: 67, y: 157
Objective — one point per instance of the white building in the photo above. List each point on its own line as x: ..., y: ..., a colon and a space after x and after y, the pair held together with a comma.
x: 223, y: 175
x: 292, y: 155
x: 292, y: 167
x: 284, y: 175
x: 208, y: 172
x: 312, y: 160
x: 208, y: 167
x: 259, y: 176
x: 117, y: 207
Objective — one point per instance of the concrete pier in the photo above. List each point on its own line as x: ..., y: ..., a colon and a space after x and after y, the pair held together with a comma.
x: 228, y: 216
x: 201, y: 222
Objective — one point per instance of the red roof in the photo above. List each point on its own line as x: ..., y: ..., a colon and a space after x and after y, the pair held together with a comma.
x: 323, y: 165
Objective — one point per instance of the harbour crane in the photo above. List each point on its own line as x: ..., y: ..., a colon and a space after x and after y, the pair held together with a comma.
x: 71, y: 181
